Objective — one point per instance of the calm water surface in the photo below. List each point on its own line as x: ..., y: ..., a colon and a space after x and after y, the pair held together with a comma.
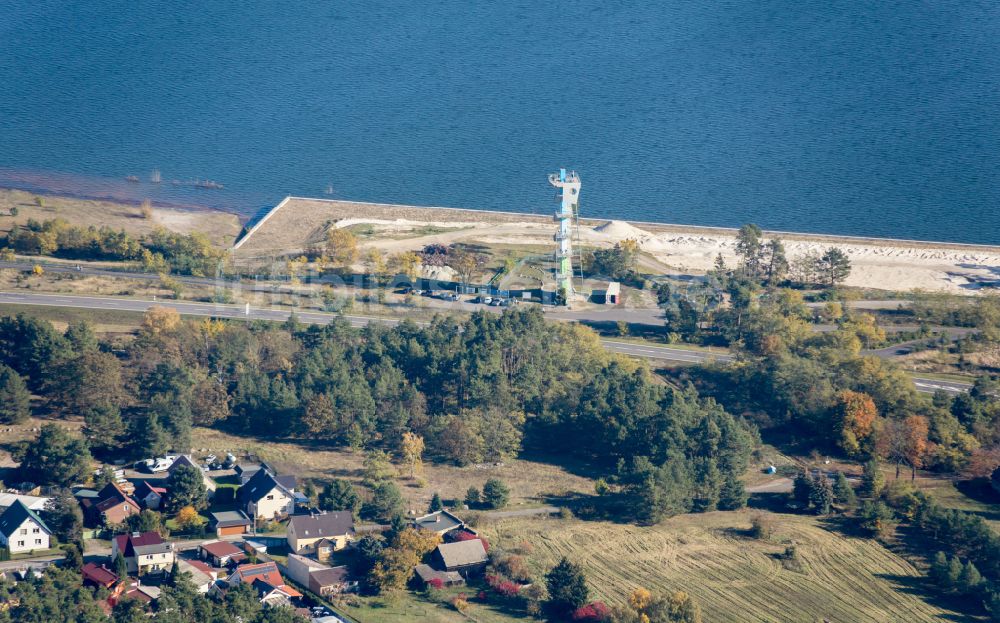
x: 874, y: 118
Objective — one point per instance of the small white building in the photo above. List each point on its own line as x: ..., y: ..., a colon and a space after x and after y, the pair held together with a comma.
x: 21, y: 530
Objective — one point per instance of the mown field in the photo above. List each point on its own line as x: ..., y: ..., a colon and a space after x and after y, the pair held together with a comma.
x: 732, y: 576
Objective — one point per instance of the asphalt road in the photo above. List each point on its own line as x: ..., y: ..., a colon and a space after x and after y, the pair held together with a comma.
x: 219, y: 310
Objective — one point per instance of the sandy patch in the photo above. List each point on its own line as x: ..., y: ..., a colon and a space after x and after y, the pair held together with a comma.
x: 879, y: 264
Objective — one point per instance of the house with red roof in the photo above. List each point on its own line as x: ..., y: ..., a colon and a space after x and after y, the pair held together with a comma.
x: 111, y: 506
x: 221, y: 553
x: 99, y: 575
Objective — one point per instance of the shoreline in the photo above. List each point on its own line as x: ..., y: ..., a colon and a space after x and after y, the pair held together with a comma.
x: 167, y: 205
x: 251, y: 224
x: 296, y: 224
x: 651, y: 226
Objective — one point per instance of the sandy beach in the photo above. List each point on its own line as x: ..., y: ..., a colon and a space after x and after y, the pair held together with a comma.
x: 895, y: 265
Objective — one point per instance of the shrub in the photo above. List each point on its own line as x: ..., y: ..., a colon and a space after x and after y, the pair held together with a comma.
x: 594, y: 611
x: 436, y: 583
x: 762, y: 527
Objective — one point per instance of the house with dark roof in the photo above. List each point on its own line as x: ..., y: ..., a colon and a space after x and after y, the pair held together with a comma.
x: 98, y: 575
x: 21, y: 530
x: 221, y: 553
x: 229, y: 523
x: 465, y: 557
x: 266, y: 496
x: 319, y: 578
x: 265, y: 579
x: 440, y: 522
x: 307, y: 534
x: 150, y: 495
x: 185, y: 459
x: 111, y: 507
x: 428, y: 574
x: 144, y: 552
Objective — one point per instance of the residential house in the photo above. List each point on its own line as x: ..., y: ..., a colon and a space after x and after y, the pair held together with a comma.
x: 319, y: 578
x: 428, y: 574
x: 185, y: 459
x: 221, y: 553
x: 99, y: 575
x: 21, y: 530
x: 150, y: 495
x: 246, y: 471
x: 229, y: 523
x: 266, y: 496
x: 143, y: 592
x: 33, y: 502
x: 201, y: 575
x: 265, y: 580
x: 112, y: 506
x: 320, y: 534
x: 440, y: 522
x: 144, y: 552
x: 465, y: 557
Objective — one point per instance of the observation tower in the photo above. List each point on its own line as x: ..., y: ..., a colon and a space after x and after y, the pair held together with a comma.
x: 568, y: 217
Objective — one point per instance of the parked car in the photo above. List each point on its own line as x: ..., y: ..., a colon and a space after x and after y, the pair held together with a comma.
x: 486, y: 300
x: 160, y: 465
x: 496, y: 302
x: 210, y: 459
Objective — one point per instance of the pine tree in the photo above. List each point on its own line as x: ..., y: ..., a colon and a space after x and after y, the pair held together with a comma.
x: 495, y: 493
x: 14, y: 397
x: 567, y: 589
x: 843, y: 491
x: 872, y: 480
x: 733, y: 494
x: 970, y: 580
x: 121, y: 569
x: 472, y: 498
x: 821, y: 495
x: 939, y: 569
x: 954, y: 573
x: 802, y: 489
x: 102, y: 426
x: 435, y: 504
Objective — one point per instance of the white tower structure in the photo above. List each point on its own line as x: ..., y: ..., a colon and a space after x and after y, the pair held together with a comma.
x: 569, y: 213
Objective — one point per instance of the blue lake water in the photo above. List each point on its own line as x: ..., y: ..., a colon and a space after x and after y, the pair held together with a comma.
x: 869, y: 118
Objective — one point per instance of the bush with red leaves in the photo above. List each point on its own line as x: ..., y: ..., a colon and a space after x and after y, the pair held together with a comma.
x: 462, y: 535
x: 436, y: 583
x: 594, y: 612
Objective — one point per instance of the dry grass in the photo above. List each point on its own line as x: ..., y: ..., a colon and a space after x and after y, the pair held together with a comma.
x: 11, y: 434
x: 530, y: 482
x: 733, y: 577
x: 221, y: 227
